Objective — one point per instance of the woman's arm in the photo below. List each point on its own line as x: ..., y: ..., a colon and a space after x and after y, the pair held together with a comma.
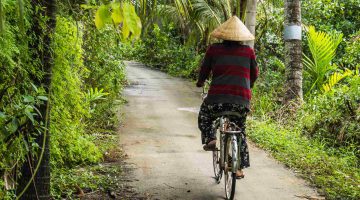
x: 254, y: 70
x: 205, y: 69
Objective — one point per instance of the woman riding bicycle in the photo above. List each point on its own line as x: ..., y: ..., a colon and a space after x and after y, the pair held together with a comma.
x: 234, y: 71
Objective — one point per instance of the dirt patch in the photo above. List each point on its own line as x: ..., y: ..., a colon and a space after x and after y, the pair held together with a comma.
x: 119, y: 184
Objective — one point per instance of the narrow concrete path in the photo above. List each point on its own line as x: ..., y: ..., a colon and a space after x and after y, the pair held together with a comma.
x: 162, y: 141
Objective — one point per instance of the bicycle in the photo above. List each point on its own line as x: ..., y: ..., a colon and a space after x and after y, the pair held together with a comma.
x: 226, y: 159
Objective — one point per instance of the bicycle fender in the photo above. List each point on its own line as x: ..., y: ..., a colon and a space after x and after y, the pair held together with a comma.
x: 234, y: 153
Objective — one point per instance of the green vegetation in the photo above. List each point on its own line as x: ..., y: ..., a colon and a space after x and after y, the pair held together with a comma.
x: 86, y: 83
x: 68, y: 182
x: 320, y: 139
x: 335, y: 171
x: 161, y: 49
x: 69, y: 105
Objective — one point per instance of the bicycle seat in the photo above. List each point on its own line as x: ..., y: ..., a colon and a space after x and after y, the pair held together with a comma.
x: 228, y: 114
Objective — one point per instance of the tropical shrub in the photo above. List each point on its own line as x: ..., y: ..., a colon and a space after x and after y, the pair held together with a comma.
x: 351, y: 57
x: 163, y: 50
x: 335, y: 171
x: 155, y: 50
x: 19, y: 96
x: 268, y: 89
x: 269, y: 31
x: 330, y: 15
x: 80, y: 65
x: 105, y: 71
x: 333, y: 117
x: 185, y: 63
x: 69, y: 144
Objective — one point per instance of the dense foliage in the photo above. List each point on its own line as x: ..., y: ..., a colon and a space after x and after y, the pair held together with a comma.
x: 322, y: 139
x: 87, y: 79
x: 336, y: 175
x: 161, y: 49
x: 69, y: 105
x: 18, y: 95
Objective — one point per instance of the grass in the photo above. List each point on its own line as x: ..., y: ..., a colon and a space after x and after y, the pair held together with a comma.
x: 334, y: 171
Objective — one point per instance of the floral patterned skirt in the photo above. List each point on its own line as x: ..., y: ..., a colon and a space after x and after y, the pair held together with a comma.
x: 207, y: 115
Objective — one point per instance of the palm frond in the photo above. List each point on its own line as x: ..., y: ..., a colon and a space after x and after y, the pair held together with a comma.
x: 169, y: 12
x: 227, y: 10
x: 336, y: 78
x: 323, y: 48
x: 204, y: 12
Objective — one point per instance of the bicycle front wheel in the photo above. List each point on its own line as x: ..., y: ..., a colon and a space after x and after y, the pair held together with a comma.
x: 230, y: 167
x: 230, y: 184
x: 216, y: 165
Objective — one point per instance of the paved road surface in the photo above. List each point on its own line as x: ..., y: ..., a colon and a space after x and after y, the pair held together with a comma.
x: 162, y: 141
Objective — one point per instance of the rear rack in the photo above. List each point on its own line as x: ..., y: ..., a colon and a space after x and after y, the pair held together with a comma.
x: 232, y: 132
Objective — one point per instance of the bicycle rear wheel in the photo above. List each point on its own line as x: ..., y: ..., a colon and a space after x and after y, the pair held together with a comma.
x: 230, y: 167
x: 216, y: 157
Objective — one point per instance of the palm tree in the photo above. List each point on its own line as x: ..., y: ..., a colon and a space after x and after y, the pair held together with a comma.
x: 197, y: 18
x: 194, y: 18
x: 293, y: 52
x: 241, y: 9
x: 250, y: 20
x: 35, y: 179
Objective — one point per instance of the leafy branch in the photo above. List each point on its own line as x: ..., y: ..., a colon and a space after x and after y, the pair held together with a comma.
x: 121, y: 15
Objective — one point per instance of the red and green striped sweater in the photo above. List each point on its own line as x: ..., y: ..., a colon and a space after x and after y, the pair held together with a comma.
x: 234, y: 71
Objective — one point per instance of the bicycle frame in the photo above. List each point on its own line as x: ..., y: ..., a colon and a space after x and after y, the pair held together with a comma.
x: 223, y: 123
x: 226, y: 160
x: 228, y: 136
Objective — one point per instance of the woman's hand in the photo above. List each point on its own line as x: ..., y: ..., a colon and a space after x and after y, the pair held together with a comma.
x: 198, y: 84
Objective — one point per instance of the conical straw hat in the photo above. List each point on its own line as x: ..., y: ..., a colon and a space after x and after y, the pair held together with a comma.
x: 233, y: 29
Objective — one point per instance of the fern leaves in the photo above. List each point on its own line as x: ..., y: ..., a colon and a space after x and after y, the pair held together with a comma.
x: 95, y: 94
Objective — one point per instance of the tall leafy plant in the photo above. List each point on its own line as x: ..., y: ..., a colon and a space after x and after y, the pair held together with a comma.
x: 322, y: 48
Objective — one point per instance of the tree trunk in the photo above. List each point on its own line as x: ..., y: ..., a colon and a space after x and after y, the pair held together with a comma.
x: 293, y: 52
x: 39, y: 188
x: 241, y: 10
x: 250, y: 20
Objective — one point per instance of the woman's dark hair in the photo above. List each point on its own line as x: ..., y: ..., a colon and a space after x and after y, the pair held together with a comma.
x: 230, y: 43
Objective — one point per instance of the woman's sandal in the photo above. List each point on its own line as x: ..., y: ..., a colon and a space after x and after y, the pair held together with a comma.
x: 210, y: 146
x: 239, y: 174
